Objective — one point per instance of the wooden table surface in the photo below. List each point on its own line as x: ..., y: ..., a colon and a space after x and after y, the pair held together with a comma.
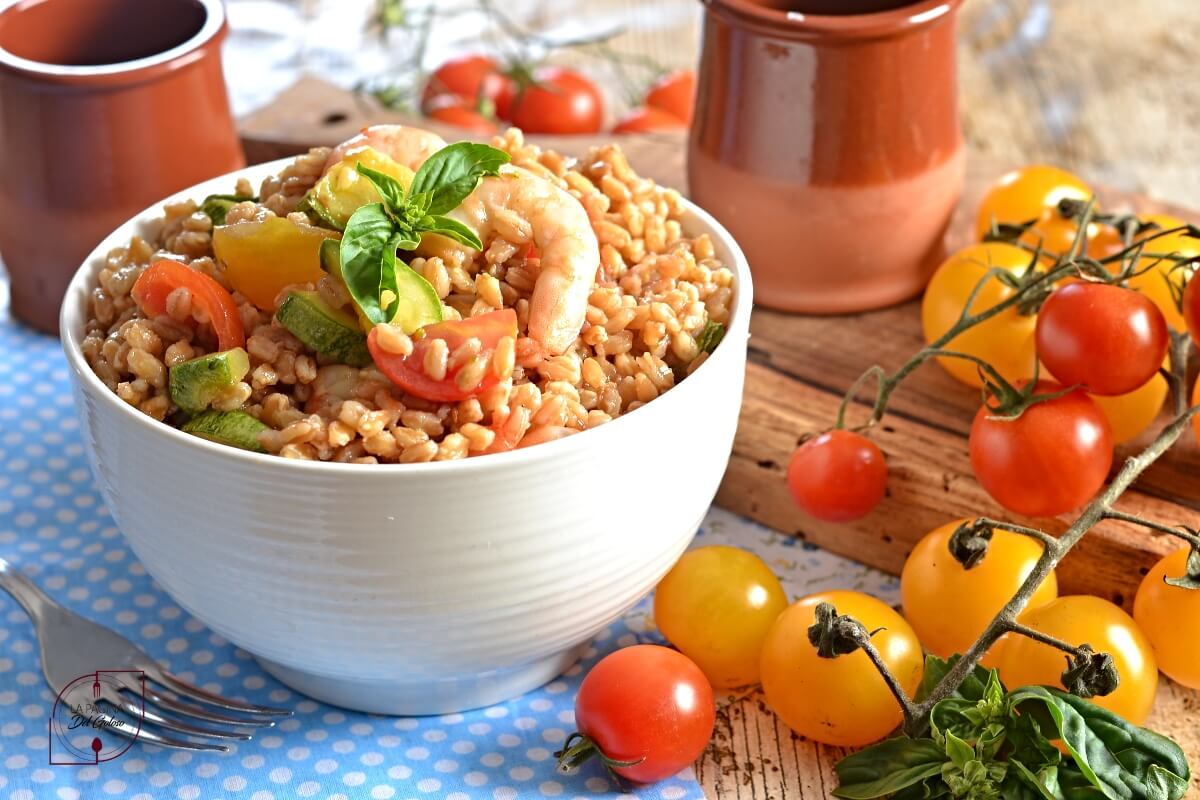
x: 1070, y: 82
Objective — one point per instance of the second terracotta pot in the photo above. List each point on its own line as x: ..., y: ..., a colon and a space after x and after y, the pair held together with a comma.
x: 830, y: 146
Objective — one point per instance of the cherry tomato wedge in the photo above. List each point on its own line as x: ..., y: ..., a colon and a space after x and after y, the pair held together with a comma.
x: 408, y: 372
x: 1105, y: 338
x: 675, y: 94
x: 158, y: 280
x: 1048, y: 461
x: 839, y: 476
x: 647, y: 706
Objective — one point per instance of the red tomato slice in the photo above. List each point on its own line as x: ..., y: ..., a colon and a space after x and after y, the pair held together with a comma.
x: 163, y: 277
x: 408, y: 372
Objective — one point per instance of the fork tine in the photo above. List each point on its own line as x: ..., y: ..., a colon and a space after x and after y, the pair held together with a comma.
x: 148, y: 714
x: 169, y: 681
x: 169, y: 703
x: 140, y: 734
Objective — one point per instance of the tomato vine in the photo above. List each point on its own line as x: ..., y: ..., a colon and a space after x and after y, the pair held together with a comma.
x: 1088, y: 673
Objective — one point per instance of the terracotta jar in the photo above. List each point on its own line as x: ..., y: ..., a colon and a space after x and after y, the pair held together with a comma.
x: 105, y: 107
x: 826, y: 138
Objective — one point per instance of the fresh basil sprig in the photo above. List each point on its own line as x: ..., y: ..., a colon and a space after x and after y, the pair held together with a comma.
x: 987, y: 743
x: 377, y: 230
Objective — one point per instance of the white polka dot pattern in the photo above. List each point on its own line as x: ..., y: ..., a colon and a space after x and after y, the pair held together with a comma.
x: 54, y: 526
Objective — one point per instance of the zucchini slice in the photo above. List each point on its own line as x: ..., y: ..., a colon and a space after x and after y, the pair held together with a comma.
x: 196, y: 383
x: 234, y: 428
x: 329, y: 331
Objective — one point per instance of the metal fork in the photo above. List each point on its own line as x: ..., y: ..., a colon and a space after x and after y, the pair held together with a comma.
x: 72, y: 646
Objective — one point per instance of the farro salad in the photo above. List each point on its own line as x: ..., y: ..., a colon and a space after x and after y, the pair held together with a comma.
x: 399, y: 299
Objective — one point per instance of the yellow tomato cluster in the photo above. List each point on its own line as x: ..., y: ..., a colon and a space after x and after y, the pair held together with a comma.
x: 724, y: 608
x: 1031, y: 196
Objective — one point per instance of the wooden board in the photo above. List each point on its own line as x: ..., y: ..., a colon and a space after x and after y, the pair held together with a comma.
x: 798, y: 369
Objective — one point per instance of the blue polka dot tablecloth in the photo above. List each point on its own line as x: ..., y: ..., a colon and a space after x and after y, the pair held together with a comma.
x: 54, y: 528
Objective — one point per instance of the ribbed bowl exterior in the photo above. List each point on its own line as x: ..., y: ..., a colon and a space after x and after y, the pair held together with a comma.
x: 422, y: 579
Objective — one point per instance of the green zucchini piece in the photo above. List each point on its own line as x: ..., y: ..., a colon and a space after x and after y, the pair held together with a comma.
x: 330, y: 331
x: 342, y: 190
x: 234, y: 428
x: 196, y: 383
x: 216, y: 206
x: 419, y: 304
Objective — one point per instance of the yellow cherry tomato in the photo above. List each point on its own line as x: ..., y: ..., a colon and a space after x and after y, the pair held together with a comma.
x: 1033, y: 193
x: 1006, y: 341
x: 1083, y: 619
x: 1158, y: 278
x: 948, y: 605
x: 261, y: 258
x: 839, y: 701
x: 716, y: 605
x: 1170, y: 618
x: 1131, y: 414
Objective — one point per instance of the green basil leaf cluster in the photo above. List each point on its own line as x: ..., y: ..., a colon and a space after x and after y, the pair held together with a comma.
x: 377, y: 230
x: 987, y: 743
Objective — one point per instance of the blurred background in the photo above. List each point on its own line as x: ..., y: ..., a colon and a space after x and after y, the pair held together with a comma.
x: 1102, y: 89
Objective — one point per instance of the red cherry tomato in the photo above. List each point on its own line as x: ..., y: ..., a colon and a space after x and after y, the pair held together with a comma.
x: 1104, y: 338
x: 408, y: 372
x: 646, y: 704
x: 839, y: 476
x: 1048, y: 461
x: 152, y: 287
x: 648, y: 119
x: 674, y: 93
x: 453, y: 110
x: 472, y: 78
x: 558, y: 101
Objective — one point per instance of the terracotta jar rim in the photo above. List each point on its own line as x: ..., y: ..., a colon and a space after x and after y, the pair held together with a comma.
x: 137, y: 69
x: 797, y: 25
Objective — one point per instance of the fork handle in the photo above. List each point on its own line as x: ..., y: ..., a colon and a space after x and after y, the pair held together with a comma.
x: 24, y: 591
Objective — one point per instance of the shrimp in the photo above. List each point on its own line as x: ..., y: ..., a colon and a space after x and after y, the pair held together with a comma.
x: 401, y: 143
x: 525, y: 207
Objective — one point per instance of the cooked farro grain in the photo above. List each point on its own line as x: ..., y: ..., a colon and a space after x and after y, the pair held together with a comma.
x: 655, y: 292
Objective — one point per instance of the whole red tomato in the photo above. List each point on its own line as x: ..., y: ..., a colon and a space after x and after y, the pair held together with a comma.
x: 647, y: 707
x: 558, y: 100
x: 472, y: 78
x: 674, y: 93
x: 648, y: 119
x: 839, y: 476
x: 1048, y: 461
x: 460, y: 113
x: 1104, y: 338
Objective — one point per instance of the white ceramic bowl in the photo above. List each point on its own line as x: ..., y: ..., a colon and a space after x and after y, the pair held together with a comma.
x: 415, y: 588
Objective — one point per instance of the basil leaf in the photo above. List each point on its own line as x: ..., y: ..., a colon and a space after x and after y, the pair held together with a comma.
x: 387, y: 277
x: 216, y: 206
x: 710, y: 336
x: 889, y: 767
x: 388, y: 187
x: 451, y: 228
x: 1023, y: 784
x: 453, y: 172
x: 366, y: 245
x: 973, y: 688
x: 1120, y: 759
